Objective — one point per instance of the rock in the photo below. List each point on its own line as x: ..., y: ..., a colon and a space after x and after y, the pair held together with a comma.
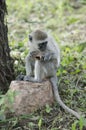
x: 30, y: 96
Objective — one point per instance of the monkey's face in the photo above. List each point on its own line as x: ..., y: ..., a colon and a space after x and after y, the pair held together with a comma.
x: 42, y: 46
x: 38, y: 40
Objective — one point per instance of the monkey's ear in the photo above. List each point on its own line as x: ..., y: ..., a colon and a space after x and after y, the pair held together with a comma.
x: 30, y: 38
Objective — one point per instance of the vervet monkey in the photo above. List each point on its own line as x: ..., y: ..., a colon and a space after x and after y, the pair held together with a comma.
x: 42, y: 63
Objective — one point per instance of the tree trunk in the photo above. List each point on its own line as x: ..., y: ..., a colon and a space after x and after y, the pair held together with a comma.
x: 6, y: 63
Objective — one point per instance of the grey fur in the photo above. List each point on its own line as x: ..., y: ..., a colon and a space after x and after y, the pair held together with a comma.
x: 38, y: 70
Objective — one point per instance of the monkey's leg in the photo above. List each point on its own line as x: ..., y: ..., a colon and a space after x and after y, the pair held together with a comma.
x: 58, y: 99
x: 37, y: 73
x: 29, y: 66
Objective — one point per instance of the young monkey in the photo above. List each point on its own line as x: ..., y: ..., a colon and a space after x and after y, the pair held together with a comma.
x: 42, y: 62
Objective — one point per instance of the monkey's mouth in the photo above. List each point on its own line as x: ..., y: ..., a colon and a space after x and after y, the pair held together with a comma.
x: 42, y: 48
x: 38, y: 57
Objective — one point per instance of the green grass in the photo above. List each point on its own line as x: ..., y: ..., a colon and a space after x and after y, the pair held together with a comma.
x: 67, y: 24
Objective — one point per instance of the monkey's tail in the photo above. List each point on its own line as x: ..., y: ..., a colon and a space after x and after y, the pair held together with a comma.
x: 58, y: 99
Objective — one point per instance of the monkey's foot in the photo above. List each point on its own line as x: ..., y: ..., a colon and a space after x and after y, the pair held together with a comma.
x: 20, y: 77
x: 27, y: 78
x: 30, y: 79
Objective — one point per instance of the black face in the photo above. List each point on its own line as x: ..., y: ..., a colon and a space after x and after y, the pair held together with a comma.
x: 30, y: 38
x: 42, y: 46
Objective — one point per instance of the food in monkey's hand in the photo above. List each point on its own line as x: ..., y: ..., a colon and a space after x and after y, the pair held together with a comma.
x: 37, y: 55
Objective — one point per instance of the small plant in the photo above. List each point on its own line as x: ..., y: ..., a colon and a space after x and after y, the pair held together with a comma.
x: 40, y: 123
x: 48, y: 108
x: 6, y: 102
x: 81, y: 123
x: 74, y: 125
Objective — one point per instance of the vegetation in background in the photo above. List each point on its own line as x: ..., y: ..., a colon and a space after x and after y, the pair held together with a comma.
x: 66, y: 21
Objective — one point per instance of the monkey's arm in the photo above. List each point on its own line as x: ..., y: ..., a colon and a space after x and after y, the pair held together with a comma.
x: 53, y: 46
x: 30, y: 62
x: 28, y: 65
x: 49, y: 56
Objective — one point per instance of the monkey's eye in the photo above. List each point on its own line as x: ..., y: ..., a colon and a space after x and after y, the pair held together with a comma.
x: 45, y: 43
x: 30, y: 37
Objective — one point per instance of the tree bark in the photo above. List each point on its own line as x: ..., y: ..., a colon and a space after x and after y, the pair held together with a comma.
x: 6, y: 62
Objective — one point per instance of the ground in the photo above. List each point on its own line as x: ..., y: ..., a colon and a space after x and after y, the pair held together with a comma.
x: 66, y: 21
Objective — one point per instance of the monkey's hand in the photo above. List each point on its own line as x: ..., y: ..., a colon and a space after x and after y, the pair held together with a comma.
x: 33, y: 54
x: 47, y: 57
